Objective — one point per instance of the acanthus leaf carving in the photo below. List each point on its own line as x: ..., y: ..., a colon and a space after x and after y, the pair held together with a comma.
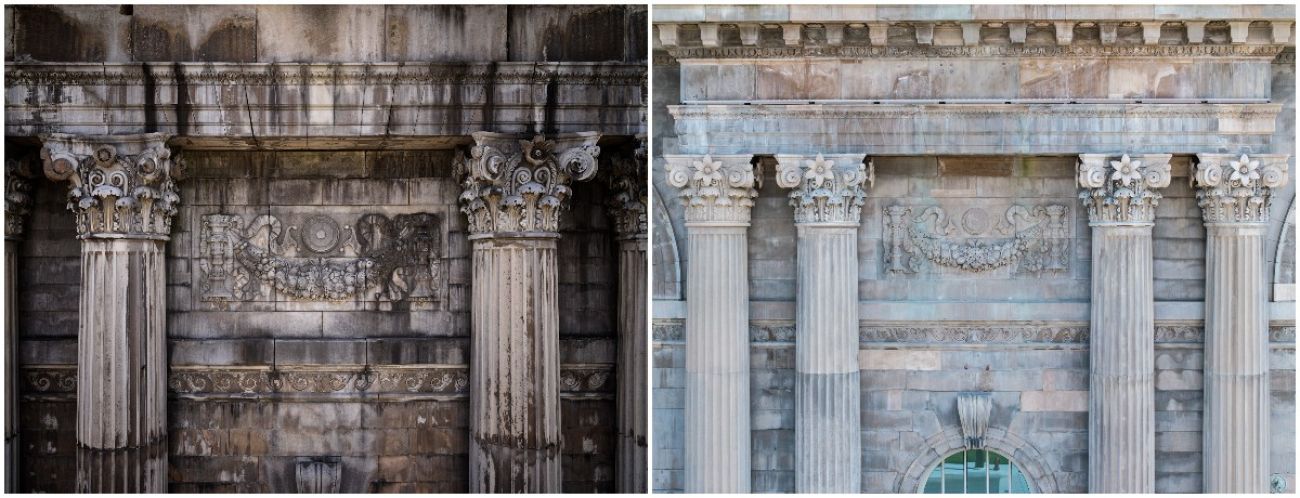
x: 1040, y: 240
x: 1237, y: 189
x: 119, y: 186
x: 715, y: 190
x: 627, y: 204
x: 521, y: 186
x: 18, y: 196
x: 1123, y: 191
x: 398, y: 259
x: 825, y: 190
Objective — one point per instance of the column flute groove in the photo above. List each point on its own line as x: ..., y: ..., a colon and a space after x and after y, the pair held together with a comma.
x: 718, y: 193
x: 1121, y: 197
x: 1234, y: 194
x: 827, y: 195
x: 513, y: 194
x: 122, y: 190
x: 18, y: 203
x: 628, y: 209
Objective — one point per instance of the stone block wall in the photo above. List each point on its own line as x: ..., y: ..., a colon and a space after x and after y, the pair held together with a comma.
x: 273, y: 380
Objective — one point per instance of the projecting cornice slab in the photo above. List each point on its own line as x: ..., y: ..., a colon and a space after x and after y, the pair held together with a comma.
x: 264, y: 105
x: 906, y: 129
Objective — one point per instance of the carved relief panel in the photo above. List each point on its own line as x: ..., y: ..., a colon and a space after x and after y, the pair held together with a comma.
x: 1025, y: 240
x: 375, y: 257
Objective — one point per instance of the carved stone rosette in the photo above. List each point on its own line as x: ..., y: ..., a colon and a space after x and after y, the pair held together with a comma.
x: 716, y: 190
x: 120, y: 186
x: 514, y: 186
x: 627, y: 184
x: 1237, y: 189
x: 1122, y: 191
x: 826, y: 190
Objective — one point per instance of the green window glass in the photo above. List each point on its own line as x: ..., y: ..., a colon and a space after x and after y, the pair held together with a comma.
x: 976, y: 471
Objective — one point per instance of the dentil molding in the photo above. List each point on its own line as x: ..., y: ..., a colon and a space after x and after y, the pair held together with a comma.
x: 513, y: 186
x: 1237, y: 189
x: 119, y: 186
x: 1123, y: 190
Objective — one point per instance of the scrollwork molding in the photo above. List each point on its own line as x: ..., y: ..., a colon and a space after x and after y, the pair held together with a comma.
x: 513, y: 186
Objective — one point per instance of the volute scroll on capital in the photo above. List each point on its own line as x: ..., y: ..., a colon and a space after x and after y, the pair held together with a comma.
x: 826, y: 189
x: 1237, y: 188
x: 120, y: 186
x: 628, y: 191
x: 1122, y: 190
x: 514, y: 186
x: 716, y: 190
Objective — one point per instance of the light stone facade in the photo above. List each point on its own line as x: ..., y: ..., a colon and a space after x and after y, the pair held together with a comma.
x: 885, y: 234
x: 326, y: 249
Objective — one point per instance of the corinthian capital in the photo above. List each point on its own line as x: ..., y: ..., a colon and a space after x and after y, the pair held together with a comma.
x: 1122, y: 190
x: 628, y: 185
x: 119, y: 186
x: 514, y: 186
x: 826, y: 189
x: 1237, y: 189
x: 18, y: 198
x: 717, y: 190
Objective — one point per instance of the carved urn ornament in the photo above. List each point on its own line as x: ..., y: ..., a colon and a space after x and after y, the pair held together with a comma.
x: 1122, y: 191
x: 520, y: 186
x: 120, y: 186
x: 715, y: 190
x: 1237, y: 189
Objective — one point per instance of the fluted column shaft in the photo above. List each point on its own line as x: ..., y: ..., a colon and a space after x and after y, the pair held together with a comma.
x: 1234, y: 193
x: 1236, y: 447
x: 632, y: 393
x: 513, y: 193
x: 122, y: 367
x: 1121, y: 404
x: 827, y: 195
x: 828, y: 441
x: 718, y: 194
x: 514, y: 372
x: 1121, y: 197
x: 717, y: 360
x: 122, y: 190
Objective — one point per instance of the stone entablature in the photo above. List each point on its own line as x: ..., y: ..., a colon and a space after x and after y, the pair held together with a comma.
x: 514, y: 186
x: 1237, y: 189
x: 317, y: 105
x: 715, y: 189
x: 1123, y: 190
x: 121, y: 186
x: 826, y: 190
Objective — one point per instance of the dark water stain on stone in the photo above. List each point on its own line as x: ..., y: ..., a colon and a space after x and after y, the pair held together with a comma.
x: 46, y: 34
x: 322, y: 27
x: 234, y: 39
x: 156, y: 42
x: 182, y: 101
x: 150, y: 99
x: 592, y: 35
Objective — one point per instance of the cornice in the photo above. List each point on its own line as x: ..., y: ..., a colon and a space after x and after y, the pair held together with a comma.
x: 683, y: 54
x: 900, y: 110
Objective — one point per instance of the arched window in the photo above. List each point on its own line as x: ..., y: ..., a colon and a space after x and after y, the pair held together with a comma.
x: 976, y: 471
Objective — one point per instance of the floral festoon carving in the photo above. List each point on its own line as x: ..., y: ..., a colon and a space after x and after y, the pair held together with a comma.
x: 18, y: 197
x: 825, y: 190
x: 120, y: 186
x: 627, y: 203
x: 521, y: 186
x: 1122, y: 190
x: 1237, y: 189
x: 718, y: 190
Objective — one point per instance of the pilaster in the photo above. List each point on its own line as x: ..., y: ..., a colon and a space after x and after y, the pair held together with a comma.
x: 1234, y: 193
x: 628, y: 208
x: 1121, y: 196
x: 513, y: 194
x: 18, y: 203
x: 718, y: 193
x: 122, y: 190
x: 827, y: 195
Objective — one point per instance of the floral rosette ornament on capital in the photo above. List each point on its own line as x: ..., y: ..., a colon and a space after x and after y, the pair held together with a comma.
x: 1237, y: 189
x: 521, y: 186
x: 1122, y: 191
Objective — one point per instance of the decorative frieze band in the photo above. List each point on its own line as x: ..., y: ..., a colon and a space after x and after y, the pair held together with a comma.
x: 936, y: 51
x: 513, y: 186
x: 825, y: 190
x: 1122, y: 190
x: 973, y: 334
x: 119, y: 186
x: 1237, y: 189
x: 18, y: 197
x: 627, y: 204
x: 715, y: 189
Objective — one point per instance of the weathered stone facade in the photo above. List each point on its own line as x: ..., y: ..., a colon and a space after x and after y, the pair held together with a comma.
x: 1081, y: 214
x: 323, y: 249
